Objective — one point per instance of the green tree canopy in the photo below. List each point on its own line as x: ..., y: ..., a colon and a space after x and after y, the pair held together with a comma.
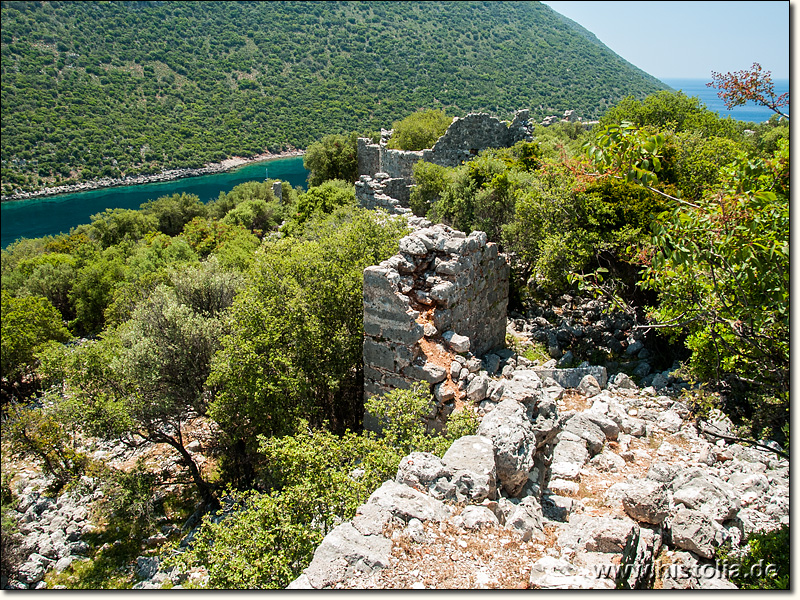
x: 27, y: 324
x: 419, y: 130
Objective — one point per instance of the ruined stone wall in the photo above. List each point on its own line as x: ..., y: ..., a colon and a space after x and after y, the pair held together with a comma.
x: 476, y: 132
x: 463, y: 139
x: 443, y: 289
x: 381, y: 191
x: 369, y: 157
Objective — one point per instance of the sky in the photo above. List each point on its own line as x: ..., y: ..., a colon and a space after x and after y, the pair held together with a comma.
x: 676, y: 39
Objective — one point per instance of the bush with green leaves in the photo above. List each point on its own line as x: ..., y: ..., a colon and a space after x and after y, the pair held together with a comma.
x: 48, y: 435
x: 401, y: 416
x: 295, y: 344
x: 207, y: 236
x: 318, y: 479
x: 11, y: 554
x: 333, y: 157
x: 173, y: 212
x: 94, y: 286
x: 320, y: 200
x: 130, y: 495
x: 49, y: 274
x: 115, y: 225
x: 693, y: 162
x: 26, y: 324
x: 561, y: 226
x: 419, y: 130
x: 146, y: 379
x: 257, y: 543
x: 763, y: 564
x: 721, y: 268
x: 671, y: 111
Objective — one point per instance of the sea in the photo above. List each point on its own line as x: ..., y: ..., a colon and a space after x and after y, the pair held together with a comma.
x: 708, y: 95
x: 51, y: 215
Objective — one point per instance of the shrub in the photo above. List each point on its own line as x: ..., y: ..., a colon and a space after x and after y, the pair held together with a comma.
x: 27, y: 323
x: 767, y: 550
x: 321, y: 200
x: 420, y: 130
x: 173, y: 212
x: 46, y: 435
x: 256, y: 543
x: 333, y: 157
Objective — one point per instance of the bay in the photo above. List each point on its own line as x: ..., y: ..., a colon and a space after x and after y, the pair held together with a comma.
x: 51, y: 215
x: 708, y: 95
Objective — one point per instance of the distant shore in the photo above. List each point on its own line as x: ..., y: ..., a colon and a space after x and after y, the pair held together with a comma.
x: 168, y: 175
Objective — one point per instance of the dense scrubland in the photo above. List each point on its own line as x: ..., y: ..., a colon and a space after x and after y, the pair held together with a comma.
x: 109, y: 89
x: 245, y: 315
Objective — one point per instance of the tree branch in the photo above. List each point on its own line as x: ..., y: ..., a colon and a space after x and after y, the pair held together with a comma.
x: 728, y: 438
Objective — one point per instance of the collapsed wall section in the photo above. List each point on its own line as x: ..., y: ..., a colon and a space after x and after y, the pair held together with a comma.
x: 443, y: 293
x: 392, y: 170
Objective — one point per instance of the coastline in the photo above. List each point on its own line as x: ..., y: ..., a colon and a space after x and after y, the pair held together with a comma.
x: 167, y: 175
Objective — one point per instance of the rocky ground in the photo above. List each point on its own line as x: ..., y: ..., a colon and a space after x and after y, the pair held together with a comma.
x: 59, y: 530
x: 562, y: 489
x: 574, y: 473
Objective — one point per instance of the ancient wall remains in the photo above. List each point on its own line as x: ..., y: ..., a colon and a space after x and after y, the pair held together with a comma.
x: 381, y: 191
x: 462, y: 141
x: 476, y: 132
x: 445, y: 292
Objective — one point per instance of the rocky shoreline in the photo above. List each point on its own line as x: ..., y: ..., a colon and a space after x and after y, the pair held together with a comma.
x: 166, y: 175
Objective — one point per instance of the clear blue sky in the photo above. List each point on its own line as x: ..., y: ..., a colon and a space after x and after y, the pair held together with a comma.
x: 690, y: 39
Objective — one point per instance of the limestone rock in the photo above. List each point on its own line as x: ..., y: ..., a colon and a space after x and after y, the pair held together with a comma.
x: 458, y: 343
x: 608, y: 462
x: 646, y: 501
x: 478, y: 388
x: 345, y: 552
x: 407, y: 503
x: 543, y: 414
x: 596, y: 534
x: 571, y: 378
x: 514, y: 443
x: 694, y: 531
x: 473, y: 454
x: 570, y: 451
x: 526, y: 519
x: 421, y: 470
x: 707, y: 494
x: 549, y: 573
x: 477, y: 517
x: 589, y: 386
x: 582, y: 426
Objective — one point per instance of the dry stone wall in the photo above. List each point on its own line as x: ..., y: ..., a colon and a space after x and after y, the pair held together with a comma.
x: 444, y: 290
x: 463, y: 139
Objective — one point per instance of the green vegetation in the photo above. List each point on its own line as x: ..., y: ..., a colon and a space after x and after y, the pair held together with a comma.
x: 333, y: 157
x: 763, y: 564
x: 246, y: 314
x: 319, y: 479
x: 27, y: 324
x: 105, y: 89
x: 419, y: 130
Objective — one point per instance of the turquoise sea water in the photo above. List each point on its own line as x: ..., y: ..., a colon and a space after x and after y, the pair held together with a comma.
x: 749, y: 112
x: 57, y: 214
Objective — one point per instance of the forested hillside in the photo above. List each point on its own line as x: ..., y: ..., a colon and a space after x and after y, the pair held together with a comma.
x: 94, y: 89
x: 163, y: 363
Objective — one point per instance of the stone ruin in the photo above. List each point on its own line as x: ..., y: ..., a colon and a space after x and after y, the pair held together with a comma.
x: 444, y: 293
x: 385, y: 175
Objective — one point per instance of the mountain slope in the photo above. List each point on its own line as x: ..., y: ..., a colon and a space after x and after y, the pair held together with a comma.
x: 98, y: 89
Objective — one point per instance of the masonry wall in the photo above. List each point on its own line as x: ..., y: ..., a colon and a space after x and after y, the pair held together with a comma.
x: 393, y: 169
x: 442, y: 282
